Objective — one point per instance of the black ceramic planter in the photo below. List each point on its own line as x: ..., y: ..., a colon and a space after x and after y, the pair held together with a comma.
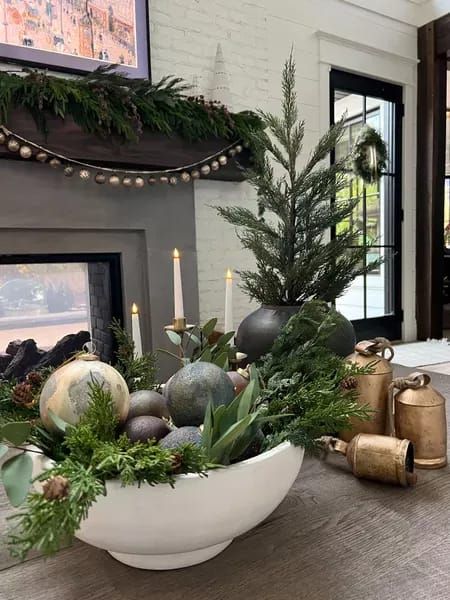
x: 258, y: 331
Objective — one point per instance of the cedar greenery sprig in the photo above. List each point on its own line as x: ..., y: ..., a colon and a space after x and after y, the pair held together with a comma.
x: 106, y: 103
x: 138, y: 372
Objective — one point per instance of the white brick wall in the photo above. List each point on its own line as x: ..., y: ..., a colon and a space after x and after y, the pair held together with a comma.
x: 256, y: 37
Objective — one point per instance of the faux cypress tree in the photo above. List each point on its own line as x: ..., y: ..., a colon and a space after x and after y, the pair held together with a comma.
x: 295, y: 258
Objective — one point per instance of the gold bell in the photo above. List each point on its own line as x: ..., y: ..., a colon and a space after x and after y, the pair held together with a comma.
x: 418, y: 413
x: 372, y: 388
x: 378, y: 457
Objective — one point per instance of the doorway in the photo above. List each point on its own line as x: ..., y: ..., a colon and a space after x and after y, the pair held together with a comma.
x: 373, y: 301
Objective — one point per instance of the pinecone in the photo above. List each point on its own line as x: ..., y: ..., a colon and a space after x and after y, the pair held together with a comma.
x: 35, y: 379
x: 349, y: 383
x: 177, y: 460
x: 56, y: 488
x: 22, y: 395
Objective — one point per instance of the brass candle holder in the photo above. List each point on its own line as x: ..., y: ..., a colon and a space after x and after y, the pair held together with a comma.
x: 179, y: 325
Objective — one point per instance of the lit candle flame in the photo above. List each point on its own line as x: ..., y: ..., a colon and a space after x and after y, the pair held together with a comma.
x: 229, y: 274
x: 176, y: 254
x: 134, y: 309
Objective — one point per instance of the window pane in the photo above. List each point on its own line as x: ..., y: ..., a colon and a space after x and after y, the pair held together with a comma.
x: 43, y: 302
x: 379, y: 284
x: 351, y: 303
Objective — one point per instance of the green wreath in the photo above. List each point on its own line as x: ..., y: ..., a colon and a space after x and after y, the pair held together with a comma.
x: 369, y: 155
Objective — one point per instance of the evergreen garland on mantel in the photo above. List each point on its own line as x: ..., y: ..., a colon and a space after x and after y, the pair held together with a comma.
x: 106, y: 103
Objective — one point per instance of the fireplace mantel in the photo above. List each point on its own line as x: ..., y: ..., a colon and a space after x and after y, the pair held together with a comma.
x: 153, y: 151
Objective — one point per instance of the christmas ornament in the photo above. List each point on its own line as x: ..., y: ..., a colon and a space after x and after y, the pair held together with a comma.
x: 3, y: 138
x: 148, y: 403
x: 66, y: 391
x: 145, y: 428
x: 191, y: 389
x: 379, y: 457
x: 232, y: 152
x: 13, y: 145
x: 238, y: 149
x: 139, y: 182
x: 42, y: 156
x: 373, y: 388
x: 370, y: 155
x: 55, y: 163
x: 84, y: 174
x: 22, y: 395
x: 163, y: 179
x: 185, y: 177
x: 25, y: 152
x: 180, y: 436
x: 173, y: 180
x: 114, y: 180
x: 151, y: 180
x: 222, y: 160
x: 215, y: 166
x: 69, y: 171
x: 240, y: 382
x: 100, y: 178
x: 195, y: 174
x: 205, y: 170
x: 419, y: 415
x: 56, y: 488
x: 127, y: 181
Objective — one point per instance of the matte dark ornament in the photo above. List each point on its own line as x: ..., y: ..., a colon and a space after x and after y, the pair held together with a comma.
x: 148, y: 403
x: 25, y: 152
x: 180, y: 436
x: 258, y: 331
x: 69, y: 171
x: 191, y: 389
x: 145, y: 428
x: 100, y: 178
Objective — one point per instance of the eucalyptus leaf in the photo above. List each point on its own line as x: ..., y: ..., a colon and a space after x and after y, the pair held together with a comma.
x: 59, y: 423
x: 17, y: 433
x: 193, y: 339
x: 16, y: 477
x: 174, y: 337
x: 209, y: 327
x: 3, y: 450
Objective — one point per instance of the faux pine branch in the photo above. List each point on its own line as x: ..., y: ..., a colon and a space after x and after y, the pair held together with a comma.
x: 295, y: 260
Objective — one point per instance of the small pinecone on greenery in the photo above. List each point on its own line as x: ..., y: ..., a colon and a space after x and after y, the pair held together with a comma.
x: 22, y: 395
x: 35, y: 379
x: 349, y: 383
x: 56, y: 488
x: 177, y: 460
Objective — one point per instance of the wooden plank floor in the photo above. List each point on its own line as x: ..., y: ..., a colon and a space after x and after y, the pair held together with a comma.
x: 334, y: 537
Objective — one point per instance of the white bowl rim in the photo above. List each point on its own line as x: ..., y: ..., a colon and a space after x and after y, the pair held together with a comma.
x: 244, y: 464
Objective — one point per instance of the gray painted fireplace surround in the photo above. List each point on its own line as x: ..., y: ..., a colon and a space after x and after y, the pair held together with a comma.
x: 43, y: 212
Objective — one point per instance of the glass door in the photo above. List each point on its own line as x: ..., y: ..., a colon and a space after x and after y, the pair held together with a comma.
x: 373, y: 301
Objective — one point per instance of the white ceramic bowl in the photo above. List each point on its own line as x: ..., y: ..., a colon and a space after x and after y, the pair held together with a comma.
x: 161, y: 527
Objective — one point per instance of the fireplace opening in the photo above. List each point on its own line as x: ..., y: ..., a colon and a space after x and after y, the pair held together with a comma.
x: 51, y: 305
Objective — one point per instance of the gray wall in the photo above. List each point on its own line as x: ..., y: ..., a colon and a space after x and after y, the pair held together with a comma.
x: 41, y: 211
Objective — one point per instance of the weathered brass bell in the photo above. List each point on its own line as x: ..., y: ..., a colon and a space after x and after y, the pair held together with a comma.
x: 378, y: 457
x: 420, y: 416
x: 372, y: 388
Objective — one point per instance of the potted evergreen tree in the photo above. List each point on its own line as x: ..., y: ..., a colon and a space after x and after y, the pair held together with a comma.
x: 296, y: 259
